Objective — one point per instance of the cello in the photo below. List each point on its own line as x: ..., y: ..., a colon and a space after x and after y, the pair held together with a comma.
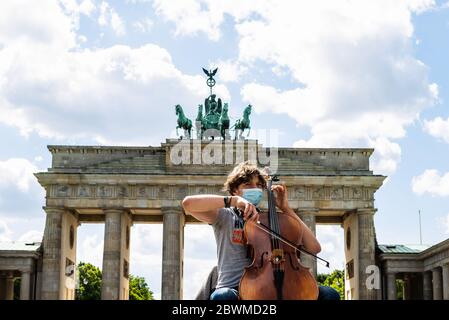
x: 276, y: 272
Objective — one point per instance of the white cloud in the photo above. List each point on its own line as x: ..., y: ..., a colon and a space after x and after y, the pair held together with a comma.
x: 102, y: 19
x: 90, y: 249
x: 446, y: 223
x: 144, y: 25
x: 228, y: 70
x: 189, y: 17
x: 18, y: 173
x: 86, y: 7
x: 332, y: 249
x: 196, y: 272
x: 109, y: 17
x: 361, y: 86
x: 5, y: 232
x: 117, y: 24
x: 357, y: 81
x: 431, y: 182
x: 386, y: 157
x: 35, y: 22
x: 22, y: 226
x: 192, y: 17
x: 200, y: 257
x: 438, y: 128
x: 61, y: 91
x: 146, y: 255
x: 32, y: 236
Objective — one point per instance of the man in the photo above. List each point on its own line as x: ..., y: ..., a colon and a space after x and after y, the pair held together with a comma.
x: 245, y: 184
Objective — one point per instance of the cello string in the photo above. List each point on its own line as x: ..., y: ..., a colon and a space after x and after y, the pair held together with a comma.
x: 274, y: 240
x: 262, y: 227
x: 275, y: 236
x: 266, y: 229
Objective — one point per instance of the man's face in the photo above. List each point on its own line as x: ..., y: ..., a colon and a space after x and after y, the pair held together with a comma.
x: 254, y: 183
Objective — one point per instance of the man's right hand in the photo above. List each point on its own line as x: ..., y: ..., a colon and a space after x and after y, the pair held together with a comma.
x: 249, y: 210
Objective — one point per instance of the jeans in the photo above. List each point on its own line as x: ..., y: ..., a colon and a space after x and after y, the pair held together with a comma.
x: 225, y: 294
x: 325, y: 293
x: 328, y: 293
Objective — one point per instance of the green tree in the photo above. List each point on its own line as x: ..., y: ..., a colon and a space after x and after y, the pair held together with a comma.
x: 400, y: 289
x: 138, y: 289
x: 334, y: 280
x: 89, y: 284
x: 17, y: 288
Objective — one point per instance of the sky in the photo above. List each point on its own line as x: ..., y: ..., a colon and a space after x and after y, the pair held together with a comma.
x: 323, y: 74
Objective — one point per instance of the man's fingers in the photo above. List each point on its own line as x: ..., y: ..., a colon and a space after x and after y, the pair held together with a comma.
x: 250, y: 211
x: 255, y: 217
x: 245, y: 212
x: 279, y: 188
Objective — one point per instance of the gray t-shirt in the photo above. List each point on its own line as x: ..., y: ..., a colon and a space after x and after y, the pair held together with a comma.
x: 231, y: 250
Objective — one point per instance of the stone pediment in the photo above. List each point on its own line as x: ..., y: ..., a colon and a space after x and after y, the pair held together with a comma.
x: 146, y: 164
x: 158, y: 161
x: 155, y: 164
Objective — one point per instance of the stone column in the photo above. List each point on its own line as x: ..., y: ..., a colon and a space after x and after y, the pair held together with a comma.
x: 407, y: 290
x: 308, y: 217
x: 2, y: 286
x: 391, y: 286
x: 9, y: 287
x: 366, y: 252
x: 437, y: 285
x: 51, y: 267
x: 58, y: 265
x: 172, y: 253
x: 427, y: 285
x: 115, y: 282
x: 25, y: 286
x: 446, y: 281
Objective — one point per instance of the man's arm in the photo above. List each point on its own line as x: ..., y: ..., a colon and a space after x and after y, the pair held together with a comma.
x: 204, y: 207
x: 309, y: 241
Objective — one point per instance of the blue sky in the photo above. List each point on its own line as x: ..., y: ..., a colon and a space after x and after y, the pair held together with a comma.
x: 324, y: 74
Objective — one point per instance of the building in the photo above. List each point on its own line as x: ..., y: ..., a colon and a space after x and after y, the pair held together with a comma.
x: 123, y: 186
x: 423, y: 270
x: 20, y: 260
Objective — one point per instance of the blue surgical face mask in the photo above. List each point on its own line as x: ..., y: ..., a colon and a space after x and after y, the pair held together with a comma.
x: 253, y: 195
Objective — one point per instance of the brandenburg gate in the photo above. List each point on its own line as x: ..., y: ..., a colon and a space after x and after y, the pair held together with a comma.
x: 123, y: 186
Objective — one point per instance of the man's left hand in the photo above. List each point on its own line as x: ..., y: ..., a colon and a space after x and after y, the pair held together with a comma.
x: 280, y: 191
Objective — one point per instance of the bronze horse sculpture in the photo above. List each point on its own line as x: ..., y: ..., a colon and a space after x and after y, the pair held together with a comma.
x: 183, y: 122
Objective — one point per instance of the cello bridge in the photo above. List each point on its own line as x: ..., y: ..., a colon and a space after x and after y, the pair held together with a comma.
x: 277, y: 256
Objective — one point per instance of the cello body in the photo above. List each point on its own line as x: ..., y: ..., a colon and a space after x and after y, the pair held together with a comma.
x: 276, y: 273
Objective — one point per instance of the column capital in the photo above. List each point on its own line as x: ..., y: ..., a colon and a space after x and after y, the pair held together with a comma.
x: 306, y: 211
x: 171, y: 210
x: 25, y: 270
x: 437, y: 269
x: 114, y: 209
x: 361, y: 211
x: 54, y: 209
x: 390, y: 273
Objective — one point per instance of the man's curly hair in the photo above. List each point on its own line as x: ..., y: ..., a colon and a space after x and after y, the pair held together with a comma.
x: 243, y: 173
